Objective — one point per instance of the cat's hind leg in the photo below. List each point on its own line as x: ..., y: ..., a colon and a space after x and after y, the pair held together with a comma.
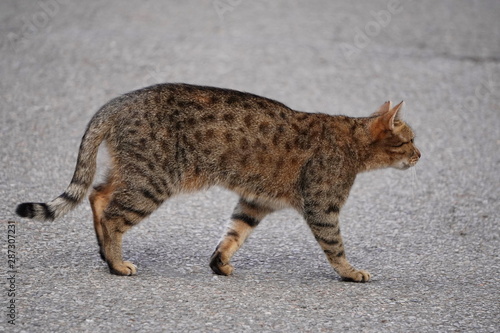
x: 246, y: 216
x: 126, y: 208
x: 99, y: 200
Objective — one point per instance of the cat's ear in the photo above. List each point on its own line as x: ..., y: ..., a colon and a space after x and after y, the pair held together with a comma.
x: 384, y: 108
x: 384, y: 119
x: 393, y: 115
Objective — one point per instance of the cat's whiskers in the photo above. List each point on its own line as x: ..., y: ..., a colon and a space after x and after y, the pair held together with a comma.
x: 414, y: 182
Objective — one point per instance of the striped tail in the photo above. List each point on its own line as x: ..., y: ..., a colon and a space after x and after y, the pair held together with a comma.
x: 81, y: 181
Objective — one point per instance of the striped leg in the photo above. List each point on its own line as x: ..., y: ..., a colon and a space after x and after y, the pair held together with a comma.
x: 324, y: 224
x: 113, y: 230
x: 125, y: 209
x: 245, y: 218
x: 99, y: 200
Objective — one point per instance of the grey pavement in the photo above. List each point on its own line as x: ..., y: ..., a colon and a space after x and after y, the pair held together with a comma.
x: 429, y: 235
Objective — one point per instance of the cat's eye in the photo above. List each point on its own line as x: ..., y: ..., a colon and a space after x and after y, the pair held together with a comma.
x: 400, y: 145
x: 403, y: 143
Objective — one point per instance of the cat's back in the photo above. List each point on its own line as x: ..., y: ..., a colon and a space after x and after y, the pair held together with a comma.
x: 180, y: 98
x: 206, y: 114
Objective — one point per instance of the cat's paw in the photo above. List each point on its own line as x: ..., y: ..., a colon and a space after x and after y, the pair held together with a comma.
x: 358, y: 276
x: 125, y: 268
x: 218, y: 266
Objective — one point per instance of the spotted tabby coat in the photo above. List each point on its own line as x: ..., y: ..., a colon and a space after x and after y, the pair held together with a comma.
x: 173, y: 138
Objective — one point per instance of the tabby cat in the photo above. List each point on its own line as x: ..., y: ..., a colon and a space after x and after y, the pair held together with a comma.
x: 173, y: 138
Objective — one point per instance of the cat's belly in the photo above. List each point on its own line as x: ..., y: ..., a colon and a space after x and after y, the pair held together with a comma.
x: 275, y: 202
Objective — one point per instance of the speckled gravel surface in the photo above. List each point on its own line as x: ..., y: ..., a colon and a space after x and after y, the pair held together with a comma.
x: 429, y: 235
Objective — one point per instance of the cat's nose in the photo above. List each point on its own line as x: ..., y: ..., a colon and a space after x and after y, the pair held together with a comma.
x: 418, y: 153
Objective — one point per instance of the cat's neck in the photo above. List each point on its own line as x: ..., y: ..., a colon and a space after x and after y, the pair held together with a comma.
x: 353, y: 138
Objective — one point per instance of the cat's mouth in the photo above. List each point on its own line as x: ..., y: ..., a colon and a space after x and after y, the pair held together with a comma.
x: 403, y: 165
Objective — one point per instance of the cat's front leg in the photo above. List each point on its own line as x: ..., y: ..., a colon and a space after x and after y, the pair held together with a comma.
x: 324, y: 223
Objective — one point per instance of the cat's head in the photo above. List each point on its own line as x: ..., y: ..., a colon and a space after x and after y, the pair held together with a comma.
x: 392, y: 139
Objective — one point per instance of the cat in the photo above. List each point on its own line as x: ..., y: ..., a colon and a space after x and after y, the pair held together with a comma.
x: 173, y: 138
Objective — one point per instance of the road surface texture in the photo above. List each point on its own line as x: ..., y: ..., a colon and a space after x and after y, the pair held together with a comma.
x: 429, y: 235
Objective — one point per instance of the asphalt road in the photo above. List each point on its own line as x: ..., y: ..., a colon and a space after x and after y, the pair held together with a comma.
x: 429, y: 236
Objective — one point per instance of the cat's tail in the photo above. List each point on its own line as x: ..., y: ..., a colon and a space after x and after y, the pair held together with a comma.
x: 83, y: 176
